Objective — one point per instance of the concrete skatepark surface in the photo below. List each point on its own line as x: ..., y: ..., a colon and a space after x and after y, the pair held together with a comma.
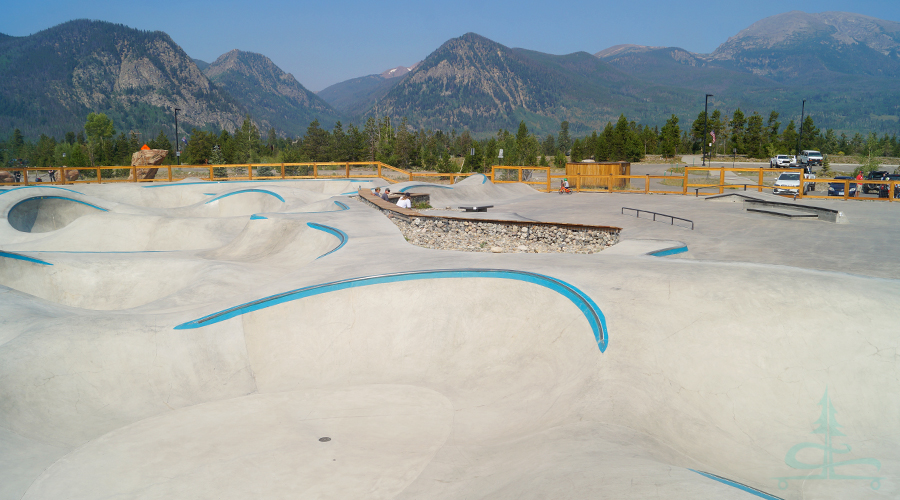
x: 202, y: 340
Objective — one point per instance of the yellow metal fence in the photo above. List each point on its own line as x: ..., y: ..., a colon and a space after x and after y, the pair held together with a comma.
x: 694, y: 181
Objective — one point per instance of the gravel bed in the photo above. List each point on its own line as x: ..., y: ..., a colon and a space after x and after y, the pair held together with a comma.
x: 479, y: 236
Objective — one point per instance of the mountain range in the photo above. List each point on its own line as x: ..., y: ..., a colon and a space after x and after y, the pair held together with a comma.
x: 844, y: 65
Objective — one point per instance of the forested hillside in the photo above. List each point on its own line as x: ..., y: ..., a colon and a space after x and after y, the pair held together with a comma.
x: 273, y: 98
x: 54, y: 78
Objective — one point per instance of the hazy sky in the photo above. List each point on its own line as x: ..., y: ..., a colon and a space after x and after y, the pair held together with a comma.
x: 325, y: 42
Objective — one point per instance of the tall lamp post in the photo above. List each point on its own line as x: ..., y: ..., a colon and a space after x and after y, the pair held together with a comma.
x: 705, y: 124
x: 177, y: 152
x: 800, y: 135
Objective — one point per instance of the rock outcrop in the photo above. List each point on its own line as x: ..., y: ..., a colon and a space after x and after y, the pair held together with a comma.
x: 147, y: 157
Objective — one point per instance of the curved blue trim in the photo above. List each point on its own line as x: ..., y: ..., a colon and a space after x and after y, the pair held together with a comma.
x: 57, y: 198
x: 341, y: 205
x: 241, y: 191
x: 333, y: 230
x: 258, y: 217
x: 349, y: 193
x: 581, y: 300
x: 16, y: 256
x: 483, y: 178
x: 669, y: 251
x: 733, y: 484
x: 237, y: 182
x: 45, y: 187
x: 403, y: 189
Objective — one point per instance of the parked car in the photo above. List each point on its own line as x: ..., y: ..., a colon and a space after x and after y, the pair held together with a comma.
x: 837, y: 188
x: 883, y: 189
x: 780, y: 161
x: 873, y: 176
x: 788, y: 180
x: 810, y: 157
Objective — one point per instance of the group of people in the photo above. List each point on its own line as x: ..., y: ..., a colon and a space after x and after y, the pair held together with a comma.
x: 403, y: 202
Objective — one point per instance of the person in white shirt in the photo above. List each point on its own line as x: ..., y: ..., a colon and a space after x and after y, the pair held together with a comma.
x: 404, y: 201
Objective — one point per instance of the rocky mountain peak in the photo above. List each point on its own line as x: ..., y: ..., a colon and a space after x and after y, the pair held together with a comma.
x: 618, y: 50
x: 833, y: 28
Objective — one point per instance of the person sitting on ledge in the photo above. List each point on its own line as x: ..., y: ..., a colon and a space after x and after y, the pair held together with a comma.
x: 377, y: 192
x: 404, y: 201
x: 386, y: 195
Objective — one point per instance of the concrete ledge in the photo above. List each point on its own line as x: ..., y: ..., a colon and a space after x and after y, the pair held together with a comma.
x: 825, y: 214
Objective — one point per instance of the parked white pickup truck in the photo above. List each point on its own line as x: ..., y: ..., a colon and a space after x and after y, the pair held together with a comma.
x: 789, y: 183
x: 780, y: 161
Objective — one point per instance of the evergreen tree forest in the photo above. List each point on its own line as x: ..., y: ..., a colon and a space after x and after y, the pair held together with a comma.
x: 397, y: 144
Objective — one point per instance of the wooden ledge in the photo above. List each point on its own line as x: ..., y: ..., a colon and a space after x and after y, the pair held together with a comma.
x: 367, y: 195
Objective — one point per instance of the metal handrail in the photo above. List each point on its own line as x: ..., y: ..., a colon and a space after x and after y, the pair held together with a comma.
x: 671, y: 217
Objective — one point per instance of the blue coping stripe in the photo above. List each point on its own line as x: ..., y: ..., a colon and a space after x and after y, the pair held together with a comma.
x: 341, y: 205
x: 333, y: 230
x: 58, y: 198
x: 584, y: 303
x: 258, y: 217
x: 669, y: 251
x: 16, y: 256
x: 31, y: 187
x: 241, y: 191
x: 735, y: 484
x: 483, y: 178
x: 236, y: 182
x: 404, y: 189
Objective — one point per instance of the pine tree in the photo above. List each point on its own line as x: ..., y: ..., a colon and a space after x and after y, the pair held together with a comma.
x: 737, y: 130
x: 563, y: 142
x: 218, y: 158
x: 669, y: 137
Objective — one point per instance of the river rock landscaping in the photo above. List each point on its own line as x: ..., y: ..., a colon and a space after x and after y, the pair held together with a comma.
x: 501, y: 237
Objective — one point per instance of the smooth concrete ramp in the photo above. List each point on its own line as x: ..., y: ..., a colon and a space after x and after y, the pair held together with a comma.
x: 474, y: 190
x: 311, y: 352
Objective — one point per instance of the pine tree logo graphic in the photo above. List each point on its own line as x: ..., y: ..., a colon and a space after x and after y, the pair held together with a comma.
x: 828, y: 426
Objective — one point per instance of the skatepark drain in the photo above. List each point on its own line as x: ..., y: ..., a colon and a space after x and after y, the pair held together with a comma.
x: 325, y: 439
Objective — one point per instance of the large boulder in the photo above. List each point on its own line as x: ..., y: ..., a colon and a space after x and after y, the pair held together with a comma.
x: 147, y: 157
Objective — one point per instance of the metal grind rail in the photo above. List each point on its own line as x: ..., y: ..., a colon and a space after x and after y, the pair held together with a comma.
x: 672, y: 218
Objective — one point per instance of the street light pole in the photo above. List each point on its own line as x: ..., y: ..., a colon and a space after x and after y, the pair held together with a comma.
x: 800, y: 135
x: 177, y: 152
x: 705, y: 125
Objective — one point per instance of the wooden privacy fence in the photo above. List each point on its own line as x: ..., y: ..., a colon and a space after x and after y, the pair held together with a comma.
x: 598, y: 174
x: 583, y: 177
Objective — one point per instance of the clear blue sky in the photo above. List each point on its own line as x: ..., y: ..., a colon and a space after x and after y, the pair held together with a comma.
x: 325, y: 42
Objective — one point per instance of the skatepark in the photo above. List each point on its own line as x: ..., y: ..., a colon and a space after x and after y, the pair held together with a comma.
x: 283, y: 339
